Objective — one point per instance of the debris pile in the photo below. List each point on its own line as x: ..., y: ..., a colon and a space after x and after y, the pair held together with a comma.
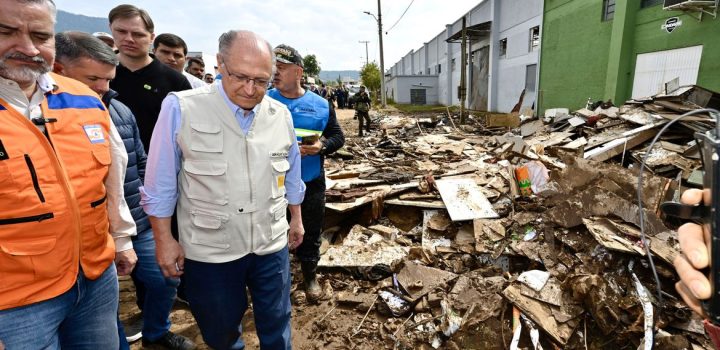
x: 477, y: 237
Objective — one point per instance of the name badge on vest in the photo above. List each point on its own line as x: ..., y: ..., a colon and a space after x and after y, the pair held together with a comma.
x: 279, y: 154
x: 94, y: 132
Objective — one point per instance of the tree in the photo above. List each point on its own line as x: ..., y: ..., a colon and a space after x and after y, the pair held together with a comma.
x: 339, y: 80
x: 312, y: 66
x: 370, y: 77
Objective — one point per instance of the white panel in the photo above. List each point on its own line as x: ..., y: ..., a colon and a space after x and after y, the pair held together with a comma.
x: 654, y: 69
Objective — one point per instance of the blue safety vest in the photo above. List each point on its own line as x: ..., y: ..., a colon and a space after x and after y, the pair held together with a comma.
x: 310, y: 114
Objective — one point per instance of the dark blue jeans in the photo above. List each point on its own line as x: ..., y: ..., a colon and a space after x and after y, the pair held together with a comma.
x: 84, y: 317
x: 159, y: 295
x: 218, y: 300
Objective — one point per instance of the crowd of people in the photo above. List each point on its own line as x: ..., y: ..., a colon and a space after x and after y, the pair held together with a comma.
x: 120, y: 160
x: 120, y: 155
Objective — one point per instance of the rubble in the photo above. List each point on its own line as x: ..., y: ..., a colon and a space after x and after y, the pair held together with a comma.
x: 446, y: 251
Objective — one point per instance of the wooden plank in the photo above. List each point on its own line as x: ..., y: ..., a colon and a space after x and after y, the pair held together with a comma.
x: 418, y: 204
x: 464, y: 200
x: 617, y: 147
x: 504, y: 120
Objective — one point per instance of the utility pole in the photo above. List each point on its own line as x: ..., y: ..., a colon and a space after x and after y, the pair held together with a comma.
x: 383, y: 99
x: 462, y: 91
x: 382, y: 58
x: 366, y: 50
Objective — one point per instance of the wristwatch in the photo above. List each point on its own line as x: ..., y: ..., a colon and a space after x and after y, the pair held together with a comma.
x: 322, y: 149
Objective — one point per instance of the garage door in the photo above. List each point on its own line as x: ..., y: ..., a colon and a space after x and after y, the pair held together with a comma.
x: 654, y: 69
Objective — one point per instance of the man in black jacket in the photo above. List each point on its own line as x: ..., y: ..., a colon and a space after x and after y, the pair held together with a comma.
x: 82, y: 57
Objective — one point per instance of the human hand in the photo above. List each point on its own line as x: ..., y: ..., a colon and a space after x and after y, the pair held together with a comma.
x: 297, y: 232
x: 311, y: 150
x: 125, y: 261
x: 694, y: 243
x: 170, y: 257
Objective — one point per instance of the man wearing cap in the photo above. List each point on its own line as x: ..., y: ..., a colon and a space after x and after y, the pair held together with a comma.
x: 106, y: 38
x: 319, y: 134
x: 361, y: 100
x: 237, y: 162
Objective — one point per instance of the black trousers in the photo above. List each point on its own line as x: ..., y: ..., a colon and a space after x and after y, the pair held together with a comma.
x: 363, y: 116
x: 313, y: 217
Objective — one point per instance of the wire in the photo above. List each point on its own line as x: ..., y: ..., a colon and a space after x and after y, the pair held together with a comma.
x: 712, y: 112
x: 401, y: 16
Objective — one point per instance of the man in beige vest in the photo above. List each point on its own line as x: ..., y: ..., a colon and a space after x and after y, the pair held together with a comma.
x: 238, y: 170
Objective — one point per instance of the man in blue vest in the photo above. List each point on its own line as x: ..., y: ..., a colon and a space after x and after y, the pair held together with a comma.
x: 319, y: 134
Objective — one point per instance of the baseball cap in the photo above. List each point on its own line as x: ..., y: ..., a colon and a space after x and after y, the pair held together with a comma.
x: 287, y: 54
x: 101, y: 35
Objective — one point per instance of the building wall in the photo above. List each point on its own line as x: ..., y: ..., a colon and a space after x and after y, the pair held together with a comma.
x: 649, y: 37
x: 516, y: 19
x: 400, y: 87
x: 574, y: 53
x: 581, y: 58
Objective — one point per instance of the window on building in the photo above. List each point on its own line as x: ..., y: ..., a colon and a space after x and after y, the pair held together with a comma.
x: 452, y: 65
x: 503, y: 47
x: 427, y: 71
x: 608, y: 10
x: 534, y: 38
x: 648, y: 3
x: 530, y: 75
x: 438, y: 69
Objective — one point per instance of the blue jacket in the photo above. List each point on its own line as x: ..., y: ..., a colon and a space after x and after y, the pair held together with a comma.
x: 126, y: 125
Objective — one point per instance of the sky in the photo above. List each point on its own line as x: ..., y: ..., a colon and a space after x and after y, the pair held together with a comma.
x: 329, y: 29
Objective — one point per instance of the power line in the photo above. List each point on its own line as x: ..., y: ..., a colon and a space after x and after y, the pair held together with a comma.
x: 401, y: 16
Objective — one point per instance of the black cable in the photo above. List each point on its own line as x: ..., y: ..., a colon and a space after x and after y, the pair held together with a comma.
x: 712, y: 112
x: 401, y: 16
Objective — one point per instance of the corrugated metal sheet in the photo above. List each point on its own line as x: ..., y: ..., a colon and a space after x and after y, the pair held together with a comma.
x: 654, y: 69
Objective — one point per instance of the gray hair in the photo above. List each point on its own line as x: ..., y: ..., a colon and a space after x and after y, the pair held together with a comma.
x: 70, y: 46
x: 226, y: 40
x: 50, y: 4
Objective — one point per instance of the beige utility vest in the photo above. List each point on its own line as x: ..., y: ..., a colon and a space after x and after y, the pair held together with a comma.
x: 232, y: 186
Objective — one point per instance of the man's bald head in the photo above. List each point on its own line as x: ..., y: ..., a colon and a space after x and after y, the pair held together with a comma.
x: 247, y: 63
x: 245, y: 40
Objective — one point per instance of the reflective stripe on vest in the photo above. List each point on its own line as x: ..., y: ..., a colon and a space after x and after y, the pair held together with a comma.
x: 49, y: 226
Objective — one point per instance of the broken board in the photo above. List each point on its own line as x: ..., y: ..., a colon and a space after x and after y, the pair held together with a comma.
x: 464, y: 200
x: 419, y: 280
x: 362, y: 256
x: 542, y: 314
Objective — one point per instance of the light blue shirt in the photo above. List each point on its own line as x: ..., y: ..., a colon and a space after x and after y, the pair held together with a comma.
x: 160, y: 191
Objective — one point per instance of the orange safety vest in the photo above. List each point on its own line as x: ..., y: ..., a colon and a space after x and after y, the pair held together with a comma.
x: 53, y: 210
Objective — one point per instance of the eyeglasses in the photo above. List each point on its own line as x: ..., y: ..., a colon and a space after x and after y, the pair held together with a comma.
x: 244, y: 79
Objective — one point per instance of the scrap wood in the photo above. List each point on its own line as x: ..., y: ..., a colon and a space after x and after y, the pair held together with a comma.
x: 618, y: 146
x: 418, y: 280
x: 542, y: 314
x: 606, y: 235
x: 464, y: 200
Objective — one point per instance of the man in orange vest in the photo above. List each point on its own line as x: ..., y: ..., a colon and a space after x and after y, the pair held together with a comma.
x: 63, y: 214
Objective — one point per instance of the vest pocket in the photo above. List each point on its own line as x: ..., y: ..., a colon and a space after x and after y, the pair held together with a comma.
x: 206, y: 138
x: 206, y: 181
x: 278, y: 219
x: 207, y: 229
x: 18, y: 265
x: 280, y: 168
